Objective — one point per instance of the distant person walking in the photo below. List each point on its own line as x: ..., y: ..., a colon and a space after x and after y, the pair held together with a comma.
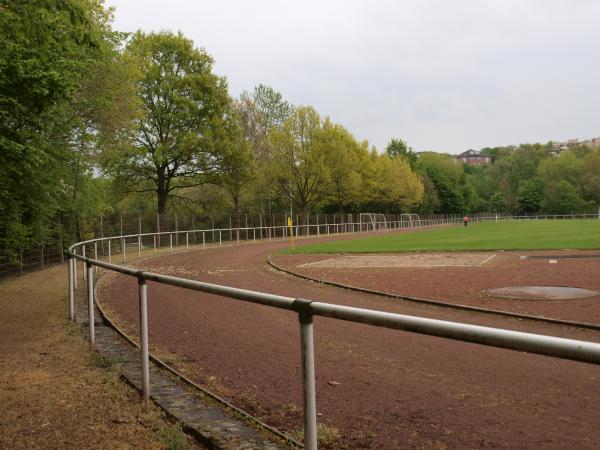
x: 466, y: 220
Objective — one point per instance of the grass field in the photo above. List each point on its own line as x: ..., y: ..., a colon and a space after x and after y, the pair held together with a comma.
x: 514, y: 235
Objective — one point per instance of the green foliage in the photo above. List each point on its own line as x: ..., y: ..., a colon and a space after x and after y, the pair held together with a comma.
x: 175, y: 141
x: 299, y: 168
x: 562, y: 198
x: 497, y: 203
x: 530, y: 195
x: 565, y: 167
x: 590, y: 178
x: 391, y: 184
x: 397, y: 148
x: 236, y: 162
x: 47, y: 50
x: 447, y: 178
x: 271, y: 106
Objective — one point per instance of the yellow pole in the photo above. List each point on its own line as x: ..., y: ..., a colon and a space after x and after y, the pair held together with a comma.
x: 290, y: 225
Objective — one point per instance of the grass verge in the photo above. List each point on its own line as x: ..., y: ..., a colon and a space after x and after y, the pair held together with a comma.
x: 57, y: 393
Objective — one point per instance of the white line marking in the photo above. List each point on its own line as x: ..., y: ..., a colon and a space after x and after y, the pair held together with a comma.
x: 487, y: 260
x: 317, y: 262
x: 594, y: 238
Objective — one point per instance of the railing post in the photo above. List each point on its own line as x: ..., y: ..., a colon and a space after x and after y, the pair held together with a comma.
x: 139, y: 245
x: 71, y: 289
x: 109, y: 251
x: 219, y: 237
x: 123, y: 250
x: 203, y: 240
x: 83, y: 254
x: 143, y: 293
x: 74, y: 270
x: 187, y: 240
x: 307, y: 351
x: 96, y: 254
x: 171, y: 241
x: 154, y: 243
x: 91, y: 324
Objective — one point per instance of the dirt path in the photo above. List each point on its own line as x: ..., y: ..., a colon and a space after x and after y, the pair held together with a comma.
x: 380, y: 388
x: 53, y: 391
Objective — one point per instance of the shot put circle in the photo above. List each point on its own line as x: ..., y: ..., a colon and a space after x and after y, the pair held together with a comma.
x: 541, y: 292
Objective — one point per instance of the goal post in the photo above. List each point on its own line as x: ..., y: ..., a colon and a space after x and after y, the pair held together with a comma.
x: 411, y: 220
x: 372, y: 222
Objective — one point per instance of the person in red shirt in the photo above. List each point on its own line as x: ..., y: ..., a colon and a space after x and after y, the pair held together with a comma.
x: 466, y: 220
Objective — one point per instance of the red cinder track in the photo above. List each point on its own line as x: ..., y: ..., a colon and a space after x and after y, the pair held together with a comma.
x: 380, y: 388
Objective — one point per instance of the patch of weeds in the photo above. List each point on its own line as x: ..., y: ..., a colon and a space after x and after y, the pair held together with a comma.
x: 326, y: 435
x: 105, y: 362
x: 173, y: 437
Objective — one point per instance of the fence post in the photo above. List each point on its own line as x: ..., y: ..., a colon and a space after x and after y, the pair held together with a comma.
x: 143, y: 293
x: 187, y: 240
x: 109, y: 251
x: 91, y: 324
x: 60, y: 240
x: 171, y: 241
x: 194, y: 228
x: 139, y: 245
x: 307, y: 350
x: 42, y: 253
x: 96, y: 255
x: 203, y: 240
x: 219, y: 237
x: 71, y: 290
x: 123, y: 250
x: 154, y: 243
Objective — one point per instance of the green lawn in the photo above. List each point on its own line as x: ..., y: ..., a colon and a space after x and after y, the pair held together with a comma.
x: 514, y: 235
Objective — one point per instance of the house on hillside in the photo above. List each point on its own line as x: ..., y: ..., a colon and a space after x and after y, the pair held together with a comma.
x: 474, y: 158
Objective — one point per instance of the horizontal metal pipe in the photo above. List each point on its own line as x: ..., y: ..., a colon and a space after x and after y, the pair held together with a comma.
x: 496, y: 337
x: 276, y: 301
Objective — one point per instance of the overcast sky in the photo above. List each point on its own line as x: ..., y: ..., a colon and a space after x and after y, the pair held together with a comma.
x: 442, y: 75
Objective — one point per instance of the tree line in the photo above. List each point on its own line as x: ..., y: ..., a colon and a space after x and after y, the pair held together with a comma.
x: 94, y: 121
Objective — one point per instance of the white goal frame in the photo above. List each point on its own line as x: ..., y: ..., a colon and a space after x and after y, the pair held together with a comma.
x: 412, y: 219
x: 374, y: 221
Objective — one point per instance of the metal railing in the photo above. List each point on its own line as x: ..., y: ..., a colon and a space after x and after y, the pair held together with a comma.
x: 306, y: 309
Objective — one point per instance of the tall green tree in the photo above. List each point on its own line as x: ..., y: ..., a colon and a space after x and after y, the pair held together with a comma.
x: 530, y: 195
x: 590, y: 178
x: 46, y: 51
x: 562, y: 198
x: 299, y: 166
x: 182, y: 108
x: 497, y: 203
x: 344, y: 157
x: 447, y: 176
x: 397, y: 148
x: 236, y: 168
x: 391, y: 185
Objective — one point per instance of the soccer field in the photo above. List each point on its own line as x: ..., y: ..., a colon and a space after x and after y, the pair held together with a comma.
x: 512, y: 235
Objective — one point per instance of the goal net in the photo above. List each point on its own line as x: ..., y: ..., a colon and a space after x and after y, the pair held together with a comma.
x: 409, y: 220
x: 373, y: 222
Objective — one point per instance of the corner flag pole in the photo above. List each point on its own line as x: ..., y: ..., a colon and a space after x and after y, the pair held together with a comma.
x: 290, y: 225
